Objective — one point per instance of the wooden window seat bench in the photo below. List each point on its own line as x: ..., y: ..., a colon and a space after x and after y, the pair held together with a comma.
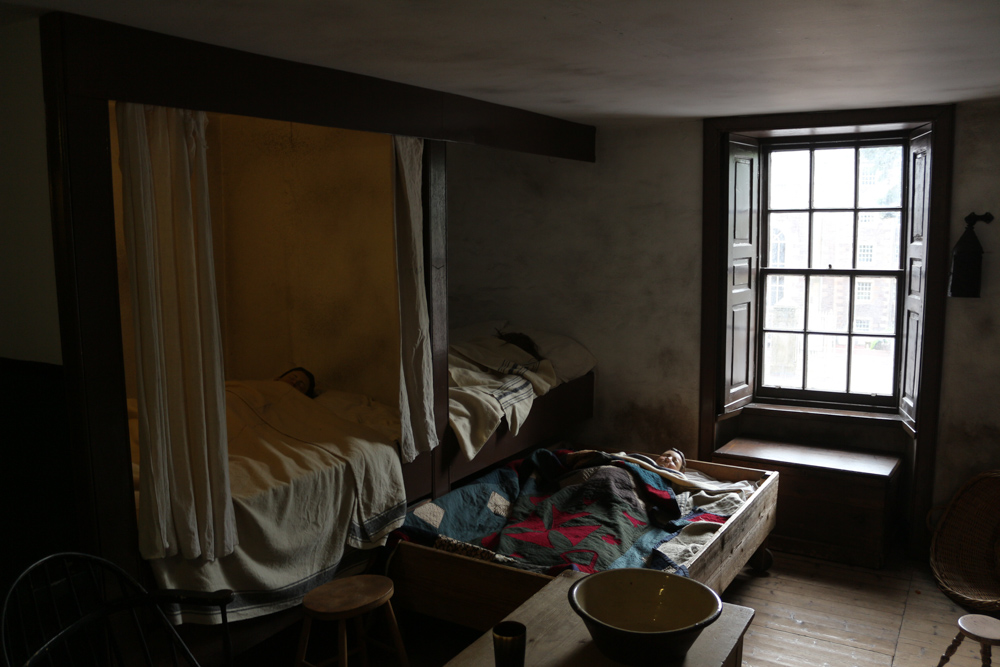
x: 834, y: 504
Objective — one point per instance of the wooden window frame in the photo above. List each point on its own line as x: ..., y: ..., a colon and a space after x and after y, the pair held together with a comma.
x: 838, y: 399
x: 713, y: 429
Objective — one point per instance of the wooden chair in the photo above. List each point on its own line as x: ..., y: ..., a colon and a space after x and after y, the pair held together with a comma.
x: 342, y: 600
x: 78, y: 609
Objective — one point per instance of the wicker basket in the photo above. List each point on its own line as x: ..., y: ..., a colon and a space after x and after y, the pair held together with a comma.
x: 965, y: 549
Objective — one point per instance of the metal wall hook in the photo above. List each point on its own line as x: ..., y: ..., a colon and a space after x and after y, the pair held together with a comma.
x: 973, y: 218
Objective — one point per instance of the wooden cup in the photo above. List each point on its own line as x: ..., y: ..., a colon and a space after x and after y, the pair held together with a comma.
x: 509, y: 639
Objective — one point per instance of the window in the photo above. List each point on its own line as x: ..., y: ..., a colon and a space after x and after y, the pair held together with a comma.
x: 864, y: 291
x: 831, y: 220
x: 821, y: 287
x: 776, y: 290
x: 742, y: 267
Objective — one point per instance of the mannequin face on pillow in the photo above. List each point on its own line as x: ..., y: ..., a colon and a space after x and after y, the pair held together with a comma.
x: 301, y: 379
x: 672, y: 459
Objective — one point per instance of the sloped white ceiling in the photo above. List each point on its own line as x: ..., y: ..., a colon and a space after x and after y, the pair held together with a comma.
x: 593, y: 61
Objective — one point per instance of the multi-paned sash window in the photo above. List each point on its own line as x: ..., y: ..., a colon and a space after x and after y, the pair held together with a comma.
x: 831, y: 271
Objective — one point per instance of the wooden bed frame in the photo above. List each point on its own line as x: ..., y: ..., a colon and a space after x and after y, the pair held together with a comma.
x: 478, y: 594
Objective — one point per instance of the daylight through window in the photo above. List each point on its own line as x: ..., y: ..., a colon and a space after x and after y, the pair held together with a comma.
x: 833, y: 218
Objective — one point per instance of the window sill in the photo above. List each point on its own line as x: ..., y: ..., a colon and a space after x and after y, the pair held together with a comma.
x: 812, y: 412
x: 877, y: 431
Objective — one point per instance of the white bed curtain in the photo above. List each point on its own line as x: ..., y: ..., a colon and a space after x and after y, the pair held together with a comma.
x: 416, y: 390
x: 185, y: 506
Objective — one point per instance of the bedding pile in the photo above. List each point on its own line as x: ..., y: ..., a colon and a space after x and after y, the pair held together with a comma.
x: 307, y: 486
x: 489, y: 379
x: 582, y: 510
x: 495, y: 372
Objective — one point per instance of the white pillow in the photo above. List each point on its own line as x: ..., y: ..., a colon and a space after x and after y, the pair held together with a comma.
x: 569, y: 358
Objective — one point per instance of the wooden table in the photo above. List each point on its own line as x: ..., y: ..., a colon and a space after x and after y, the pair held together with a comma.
x: 557, y: 637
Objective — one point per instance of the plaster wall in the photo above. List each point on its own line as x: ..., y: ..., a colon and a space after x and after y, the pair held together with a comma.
x: 969, y: 432
x: 607, y: 253
x: 29, y: 315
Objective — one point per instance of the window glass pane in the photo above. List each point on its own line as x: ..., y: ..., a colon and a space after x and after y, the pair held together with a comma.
x: 880, y: 177
x: 878, y: 240
x: 833, y: 240
x: 833, y: 185
x: 829, y: 304
x: 871, y: 365
x: 875, y: 305
x: 783, y: 360
x: 785, y: 303
x: 827, y: 363
x: 863, y: 293
x: 788, y: 240
x: 788, y: 180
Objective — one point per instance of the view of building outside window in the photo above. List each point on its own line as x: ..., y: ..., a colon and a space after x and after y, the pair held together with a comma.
x: 833, y: 224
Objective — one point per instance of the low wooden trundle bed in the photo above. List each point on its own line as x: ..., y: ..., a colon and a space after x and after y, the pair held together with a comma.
x: 479, y: 593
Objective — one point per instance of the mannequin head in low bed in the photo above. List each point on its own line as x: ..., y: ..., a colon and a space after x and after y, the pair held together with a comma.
x: 673, y: 459
x: 301, y: 379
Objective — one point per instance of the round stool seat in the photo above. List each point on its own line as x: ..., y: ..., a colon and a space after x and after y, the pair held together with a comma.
x: 983, y: 629
x: 348, y: 597
x: 979, y: 628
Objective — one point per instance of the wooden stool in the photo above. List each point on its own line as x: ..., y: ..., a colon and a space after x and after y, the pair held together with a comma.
x: 983, y: 629
x: 341, y: 600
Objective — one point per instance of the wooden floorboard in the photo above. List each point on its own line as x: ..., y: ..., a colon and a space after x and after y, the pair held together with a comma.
x: 844, y: 603
x: 858, y: 605
x: 826, y: 625
x: 812, y: 613
x: 764, y: 647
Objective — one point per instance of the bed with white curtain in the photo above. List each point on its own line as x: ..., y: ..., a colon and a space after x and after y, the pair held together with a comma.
x: 316, y: 485
x: 252, y: 485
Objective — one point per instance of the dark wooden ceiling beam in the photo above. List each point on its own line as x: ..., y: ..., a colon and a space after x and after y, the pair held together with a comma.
x: 114, y: 62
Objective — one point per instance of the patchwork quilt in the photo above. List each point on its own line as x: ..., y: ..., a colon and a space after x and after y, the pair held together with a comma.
x: 557, y: 510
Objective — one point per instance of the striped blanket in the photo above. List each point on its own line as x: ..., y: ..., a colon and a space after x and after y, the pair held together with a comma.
x: 489, y: 380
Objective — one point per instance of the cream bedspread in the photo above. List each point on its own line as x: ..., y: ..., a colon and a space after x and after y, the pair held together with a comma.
x: 306, y: 484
